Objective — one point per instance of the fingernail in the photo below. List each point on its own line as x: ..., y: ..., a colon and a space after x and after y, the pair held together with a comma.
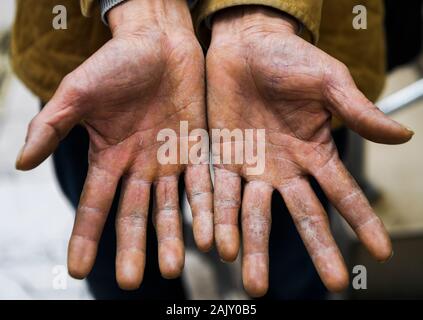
x: 410, y: 130
x: 407, y: 128
x: 19, y: 157
x: 390, y: 257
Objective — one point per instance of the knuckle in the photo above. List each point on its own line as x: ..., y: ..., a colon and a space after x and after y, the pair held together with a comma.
x: 88, y: 210
x: 74, y: 86
x: 342, y: 69
x: 337, y: 75
x: 136, y: 220
x: 227, y: 203
x: 33, y: 124
x: 310, y: 221
x: 199, y: 196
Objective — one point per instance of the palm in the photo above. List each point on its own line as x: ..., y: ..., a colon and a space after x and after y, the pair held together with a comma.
x: 127, y: 110
x: 297, y: 123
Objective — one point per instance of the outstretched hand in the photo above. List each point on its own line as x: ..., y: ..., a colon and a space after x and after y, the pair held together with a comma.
x: 262, y: 75
x: 148, y: 77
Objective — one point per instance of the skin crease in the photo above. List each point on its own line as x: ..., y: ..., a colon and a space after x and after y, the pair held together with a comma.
x: 260, y: 74
x: 150, y: 76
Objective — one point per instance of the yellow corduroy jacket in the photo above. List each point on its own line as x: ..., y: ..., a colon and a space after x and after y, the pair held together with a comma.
x: 42, y: 56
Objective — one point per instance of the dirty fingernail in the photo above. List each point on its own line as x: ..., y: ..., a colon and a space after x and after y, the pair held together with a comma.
x: 390, y: 257
x: 19, y: 157
x: 409, y: 129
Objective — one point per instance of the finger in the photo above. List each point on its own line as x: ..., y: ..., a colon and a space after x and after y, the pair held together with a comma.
x: 96, y: 200
x: 347, y: 197
x: 131, y: 231
x: 313, y: 226
x: 256, y: 221
x: 200, y: 196
x: 227, y: 200
x: 168, y: 224
x: 47, y: 129
x: 362, y: 116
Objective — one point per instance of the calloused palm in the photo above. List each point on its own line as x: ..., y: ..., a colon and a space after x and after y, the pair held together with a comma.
x: 136, y: 85
x: 264, y: 76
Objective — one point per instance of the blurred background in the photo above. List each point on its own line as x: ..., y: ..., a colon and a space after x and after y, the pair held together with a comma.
x: 36, y: 220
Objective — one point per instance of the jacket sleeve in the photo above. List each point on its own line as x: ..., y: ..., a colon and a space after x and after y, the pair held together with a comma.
x: 307, y: 12
x: 87, y: 7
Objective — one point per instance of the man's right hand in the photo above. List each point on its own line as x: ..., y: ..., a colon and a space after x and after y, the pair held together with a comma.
x: 149, y: 77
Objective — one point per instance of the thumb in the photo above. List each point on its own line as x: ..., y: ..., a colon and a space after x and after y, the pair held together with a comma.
x: 362, y: 116
x: 47, y: 129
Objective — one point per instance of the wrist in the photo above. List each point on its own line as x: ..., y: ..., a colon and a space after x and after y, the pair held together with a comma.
x: 252, y: 19
x: 131, y: 16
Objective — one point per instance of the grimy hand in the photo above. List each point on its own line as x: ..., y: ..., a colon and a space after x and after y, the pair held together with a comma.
x: 150, y: 76
x: 260, y: 74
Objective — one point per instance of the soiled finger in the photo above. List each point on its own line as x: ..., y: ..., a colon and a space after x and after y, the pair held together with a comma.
x: 168, y: 224
x: 200, y: 196
x: 344, y: 193
x: 313, y: 226
x: 361, y: 115
x: 256, y: 221
x: 131, y: 232
x: 96, y: 200
x: 227, y: 202
x: 45, y: 132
